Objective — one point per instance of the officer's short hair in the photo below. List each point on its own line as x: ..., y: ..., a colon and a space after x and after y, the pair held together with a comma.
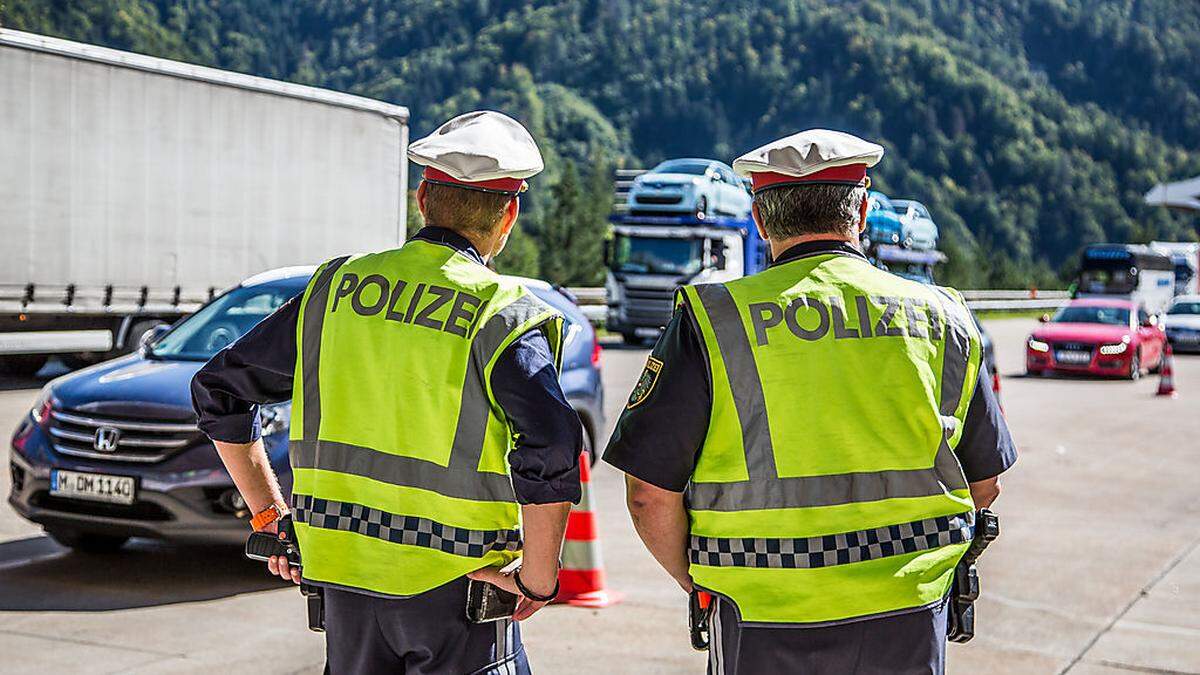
x: 464, y: 209
x: 794, y: 210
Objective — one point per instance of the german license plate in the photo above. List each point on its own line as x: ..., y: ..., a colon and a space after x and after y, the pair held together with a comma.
x: 96, y: 487
x: 1073, y: 357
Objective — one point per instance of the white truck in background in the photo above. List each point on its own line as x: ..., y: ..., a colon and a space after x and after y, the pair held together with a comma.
x: 132, y: 189
x: 1185, y: 255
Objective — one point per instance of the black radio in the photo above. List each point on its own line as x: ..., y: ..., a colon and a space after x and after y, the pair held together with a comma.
x: 264, y: 545
x: 960, y: 625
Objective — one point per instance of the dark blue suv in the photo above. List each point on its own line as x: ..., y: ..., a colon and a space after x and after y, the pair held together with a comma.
x: 112, y: 451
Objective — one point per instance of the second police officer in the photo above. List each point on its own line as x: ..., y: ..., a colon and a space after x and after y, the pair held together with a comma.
x: 810, y: 443
x: 430, y: 440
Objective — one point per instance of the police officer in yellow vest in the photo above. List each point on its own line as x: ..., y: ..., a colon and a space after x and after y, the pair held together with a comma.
x: 809, y: 444
x: 430, y: 440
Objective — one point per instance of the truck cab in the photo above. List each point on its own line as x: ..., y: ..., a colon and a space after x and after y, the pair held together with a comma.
x: 649, y: 257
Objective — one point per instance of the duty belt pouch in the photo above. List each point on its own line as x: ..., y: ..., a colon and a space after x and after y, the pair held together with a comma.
x: 960, y: 626
x: 314, y: 597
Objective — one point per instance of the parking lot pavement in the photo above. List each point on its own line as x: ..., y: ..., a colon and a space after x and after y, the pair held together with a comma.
x: 1097, y: 568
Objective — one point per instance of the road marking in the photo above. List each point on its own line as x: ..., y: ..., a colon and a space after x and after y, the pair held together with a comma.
x: 1182, y: 631
x: 91, y: 643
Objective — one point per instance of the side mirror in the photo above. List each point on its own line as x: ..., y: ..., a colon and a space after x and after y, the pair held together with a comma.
x: 718, y: 254
x: 1045, y: 318
x: 151, y: 336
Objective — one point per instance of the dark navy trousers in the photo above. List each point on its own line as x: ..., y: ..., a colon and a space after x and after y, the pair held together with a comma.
x: 422, y: 635
x: 909, y: 644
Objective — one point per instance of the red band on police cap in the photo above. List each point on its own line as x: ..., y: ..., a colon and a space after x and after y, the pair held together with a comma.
x: 852, y: 174
x: 512, y: 185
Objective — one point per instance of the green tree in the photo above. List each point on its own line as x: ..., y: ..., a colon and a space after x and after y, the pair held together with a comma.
x: 572, y: 237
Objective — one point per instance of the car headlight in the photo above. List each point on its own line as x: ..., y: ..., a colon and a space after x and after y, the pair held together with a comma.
x: 1038, y: 345
x: 43, y: 405
x: 275, y: 418
x: 1112, y: 350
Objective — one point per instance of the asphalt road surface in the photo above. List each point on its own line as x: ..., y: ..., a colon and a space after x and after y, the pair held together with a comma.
x: 1097, y: 569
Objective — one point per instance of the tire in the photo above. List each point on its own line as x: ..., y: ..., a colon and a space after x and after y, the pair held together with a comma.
x: 86, y: 542
x: 22, y: 365
x: 1162, y: 359
x: 1135, y: 368
x: 1034, y: 373
x: 588, y: 446
x: 907, y: 243
x: 702, y: 208
x: 631, y: 339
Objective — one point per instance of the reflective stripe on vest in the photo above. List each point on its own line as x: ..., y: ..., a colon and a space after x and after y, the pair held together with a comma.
x: 386, y: 500
x: 845, y: 532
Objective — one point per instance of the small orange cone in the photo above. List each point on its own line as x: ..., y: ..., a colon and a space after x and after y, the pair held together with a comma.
x: 581, y: 579
x: 1166, y: 381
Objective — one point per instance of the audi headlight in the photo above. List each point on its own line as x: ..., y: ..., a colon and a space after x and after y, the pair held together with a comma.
x: 1113, y: 350
x: 275, y: 418
x: 1038, y: 345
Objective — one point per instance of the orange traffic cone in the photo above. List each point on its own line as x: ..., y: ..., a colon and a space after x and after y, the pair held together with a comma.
x: 1166, y: 380
x: 581, y: 580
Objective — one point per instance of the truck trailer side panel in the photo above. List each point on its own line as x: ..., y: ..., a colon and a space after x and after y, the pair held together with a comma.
x: 116, y: 171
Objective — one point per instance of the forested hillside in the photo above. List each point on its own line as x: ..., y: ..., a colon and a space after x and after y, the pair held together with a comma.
x: 1030, y: 127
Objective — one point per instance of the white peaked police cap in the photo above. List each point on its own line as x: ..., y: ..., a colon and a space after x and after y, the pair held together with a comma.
x: 482, y: 150
x: 814, y: 156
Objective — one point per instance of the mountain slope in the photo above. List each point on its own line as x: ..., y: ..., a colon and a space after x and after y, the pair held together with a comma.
x: 1030, y: 127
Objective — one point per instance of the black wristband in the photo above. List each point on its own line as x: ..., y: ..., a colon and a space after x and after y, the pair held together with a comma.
x: 530, y: 594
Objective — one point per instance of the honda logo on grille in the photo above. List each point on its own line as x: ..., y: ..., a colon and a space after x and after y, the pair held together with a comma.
x: 107, y: 439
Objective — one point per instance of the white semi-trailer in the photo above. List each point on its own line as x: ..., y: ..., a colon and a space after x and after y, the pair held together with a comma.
x: 134, y: 188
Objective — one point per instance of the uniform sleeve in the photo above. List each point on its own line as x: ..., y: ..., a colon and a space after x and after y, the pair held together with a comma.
x: 549, y: 435
x: 257, y: 368
x: 663, y: 427
x: 986, y: 447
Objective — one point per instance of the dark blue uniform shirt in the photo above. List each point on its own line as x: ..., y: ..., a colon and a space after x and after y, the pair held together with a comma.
x: 259, y: 368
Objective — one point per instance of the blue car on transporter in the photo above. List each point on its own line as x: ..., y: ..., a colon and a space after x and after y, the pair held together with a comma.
x: 883, y: 223
x: 112, y: 451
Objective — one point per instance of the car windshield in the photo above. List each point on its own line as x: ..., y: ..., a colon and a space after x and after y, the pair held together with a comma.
x: 645, y: 255
x: 1113, y: 316
x: 688, y: 166
x: 222, y: 321
x: 1190, y: 307
x: 1108, y: 281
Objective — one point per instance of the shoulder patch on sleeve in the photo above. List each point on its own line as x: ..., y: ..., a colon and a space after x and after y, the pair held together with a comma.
x: 645, y: 383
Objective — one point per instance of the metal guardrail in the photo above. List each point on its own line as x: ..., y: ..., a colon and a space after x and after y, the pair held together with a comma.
x: 593, y: 301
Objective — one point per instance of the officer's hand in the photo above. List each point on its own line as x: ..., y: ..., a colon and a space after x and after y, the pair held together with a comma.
x: 278, y: 565
x: 494, y: 576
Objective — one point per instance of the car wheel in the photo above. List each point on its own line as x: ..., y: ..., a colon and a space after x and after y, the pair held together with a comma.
x: 1162, y: 360
x: 1034, y: 373
x: 702, y: 208
x: 631, y: 338
x: 1135, y: 367
x: 86, y: 542
x: 907, y: 243
x: 588, y: 447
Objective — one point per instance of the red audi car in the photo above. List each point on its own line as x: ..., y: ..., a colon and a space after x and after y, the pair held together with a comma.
x: 1097, y: 336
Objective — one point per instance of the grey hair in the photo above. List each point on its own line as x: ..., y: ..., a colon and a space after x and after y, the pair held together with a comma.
x: 794, y: 210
